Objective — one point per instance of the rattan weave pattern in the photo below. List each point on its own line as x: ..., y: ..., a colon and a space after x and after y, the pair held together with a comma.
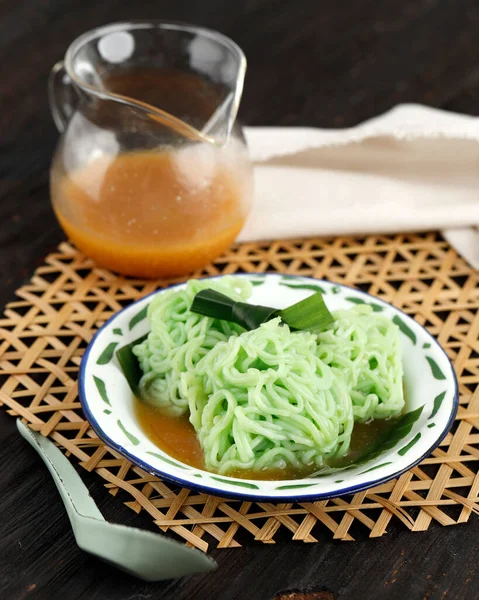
x: 44, y: 332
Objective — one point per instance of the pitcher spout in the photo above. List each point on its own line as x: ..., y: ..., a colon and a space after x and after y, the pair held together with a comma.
x: 191, y: 86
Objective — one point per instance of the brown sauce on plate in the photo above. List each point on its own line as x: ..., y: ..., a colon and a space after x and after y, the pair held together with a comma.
x: 176, y: 437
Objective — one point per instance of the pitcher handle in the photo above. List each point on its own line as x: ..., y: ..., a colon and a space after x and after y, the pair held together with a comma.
x: 62, y: 96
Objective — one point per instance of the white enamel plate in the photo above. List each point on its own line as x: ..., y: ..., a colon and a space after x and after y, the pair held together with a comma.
x: 429, y: 379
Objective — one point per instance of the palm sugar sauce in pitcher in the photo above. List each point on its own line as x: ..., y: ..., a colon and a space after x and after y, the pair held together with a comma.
x: 151, y: 177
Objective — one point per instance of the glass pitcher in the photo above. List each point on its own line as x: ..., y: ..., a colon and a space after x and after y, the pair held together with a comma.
x: 151, y: 177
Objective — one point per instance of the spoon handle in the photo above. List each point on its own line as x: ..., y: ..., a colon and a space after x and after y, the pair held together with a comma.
x: 74, y: 493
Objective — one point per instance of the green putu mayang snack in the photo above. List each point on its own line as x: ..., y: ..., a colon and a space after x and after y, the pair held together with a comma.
x: 265, y: 400
x: 179, y: 338
x: 270, y: 397
x: 363, y: 348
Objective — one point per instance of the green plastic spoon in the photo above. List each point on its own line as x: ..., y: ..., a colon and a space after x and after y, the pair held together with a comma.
x: 149, y: 556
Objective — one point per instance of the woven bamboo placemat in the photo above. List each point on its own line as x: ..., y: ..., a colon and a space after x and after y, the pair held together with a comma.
x: 44, y: 333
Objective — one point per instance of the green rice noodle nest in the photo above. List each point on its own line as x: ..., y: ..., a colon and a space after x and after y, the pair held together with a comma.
x: 179, y: 338
x: 363, y: 348
x: 264, y: 399
x: 269, y: 398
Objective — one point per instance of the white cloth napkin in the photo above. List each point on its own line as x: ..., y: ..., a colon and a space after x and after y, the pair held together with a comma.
x: 411, y: 169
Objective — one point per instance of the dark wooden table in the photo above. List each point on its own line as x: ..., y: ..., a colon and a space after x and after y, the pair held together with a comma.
x: 328, y: 63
